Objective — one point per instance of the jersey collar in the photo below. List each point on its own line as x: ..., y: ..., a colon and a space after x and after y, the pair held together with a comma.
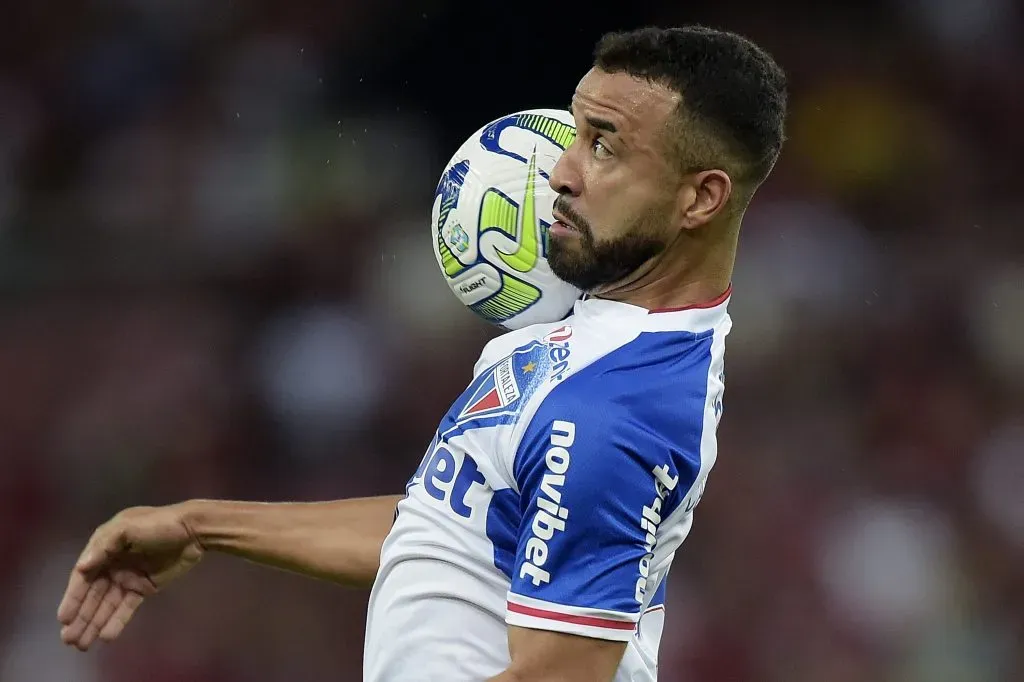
x: 696, y: 318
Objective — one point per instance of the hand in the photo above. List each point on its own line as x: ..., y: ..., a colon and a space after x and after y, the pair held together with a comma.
x: 129, y: 558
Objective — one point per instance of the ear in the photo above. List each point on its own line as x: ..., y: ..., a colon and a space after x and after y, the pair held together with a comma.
x: 703, y: 197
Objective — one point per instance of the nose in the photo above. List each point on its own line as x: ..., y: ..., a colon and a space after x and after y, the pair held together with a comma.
x: 565, y: 176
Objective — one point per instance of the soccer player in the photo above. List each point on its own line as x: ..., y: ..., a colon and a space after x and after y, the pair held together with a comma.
x: 535, y: 538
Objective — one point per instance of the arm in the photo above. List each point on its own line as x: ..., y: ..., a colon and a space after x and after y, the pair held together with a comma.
x: 141, y: 550
x: 540, y: 656
x: 338, y: 541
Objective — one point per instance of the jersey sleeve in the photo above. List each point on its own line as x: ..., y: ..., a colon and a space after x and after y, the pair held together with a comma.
x: 595, y: 486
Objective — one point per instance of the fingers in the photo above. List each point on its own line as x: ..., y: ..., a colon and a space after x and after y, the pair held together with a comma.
x: 101, y: 598
x: 74, y: 632
x: 74, y: 595
x: 105, y: 542
x: 109, y: 604
x: 122, y: 614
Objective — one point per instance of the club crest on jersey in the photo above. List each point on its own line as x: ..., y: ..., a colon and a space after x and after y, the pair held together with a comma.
x: 499, y: 392
x: 501, y: 389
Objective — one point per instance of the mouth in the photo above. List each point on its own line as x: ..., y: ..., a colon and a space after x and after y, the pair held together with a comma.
x: 562, y: 222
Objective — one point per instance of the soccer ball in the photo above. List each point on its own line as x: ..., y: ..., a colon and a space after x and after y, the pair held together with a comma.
x: 490, y: 220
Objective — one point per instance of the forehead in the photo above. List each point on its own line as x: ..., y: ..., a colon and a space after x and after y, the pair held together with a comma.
x: 629, y: 102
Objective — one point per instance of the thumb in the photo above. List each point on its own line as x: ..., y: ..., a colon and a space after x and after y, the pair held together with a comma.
x: 99, y: 549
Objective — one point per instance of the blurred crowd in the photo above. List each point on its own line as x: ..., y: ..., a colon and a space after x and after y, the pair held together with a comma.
x: 217, y: 282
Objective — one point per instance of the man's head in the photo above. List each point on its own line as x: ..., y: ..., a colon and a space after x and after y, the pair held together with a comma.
x: 676, y: 128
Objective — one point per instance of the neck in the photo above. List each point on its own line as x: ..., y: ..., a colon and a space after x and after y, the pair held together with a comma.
x: 684, y: 275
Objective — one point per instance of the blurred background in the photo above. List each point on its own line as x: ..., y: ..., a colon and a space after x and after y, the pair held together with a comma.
x: 217, y: 282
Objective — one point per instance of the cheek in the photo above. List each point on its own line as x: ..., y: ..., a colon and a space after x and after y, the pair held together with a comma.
x: 613, y: 204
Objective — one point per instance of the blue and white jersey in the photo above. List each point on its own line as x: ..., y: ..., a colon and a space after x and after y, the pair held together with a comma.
x: 554, y: 494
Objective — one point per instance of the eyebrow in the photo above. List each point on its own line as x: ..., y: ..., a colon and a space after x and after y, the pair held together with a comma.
x: 599, y: 123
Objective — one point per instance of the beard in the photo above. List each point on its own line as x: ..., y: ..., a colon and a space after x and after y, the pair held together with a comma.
x: 588, y: 264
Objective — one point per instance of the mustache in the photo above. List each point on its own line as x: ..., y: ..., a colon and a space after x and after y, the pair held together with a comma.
x: 579, y: 222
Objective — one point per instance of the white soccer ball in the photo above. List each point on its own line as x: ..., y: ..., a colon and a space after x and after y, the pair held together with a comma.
x: 490, y: 219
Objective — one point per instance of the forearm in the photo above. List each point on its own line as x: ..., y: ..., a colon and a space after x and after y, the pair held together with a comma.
x: 338, y: 541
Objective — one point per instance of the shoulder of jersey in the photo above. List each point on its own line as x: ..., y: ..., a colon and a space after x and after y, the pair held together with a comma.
x: 598, y: 327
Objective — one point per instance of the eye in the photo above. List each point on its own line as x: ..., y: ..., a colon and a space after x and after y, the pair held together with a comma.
x: 601, y: 150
